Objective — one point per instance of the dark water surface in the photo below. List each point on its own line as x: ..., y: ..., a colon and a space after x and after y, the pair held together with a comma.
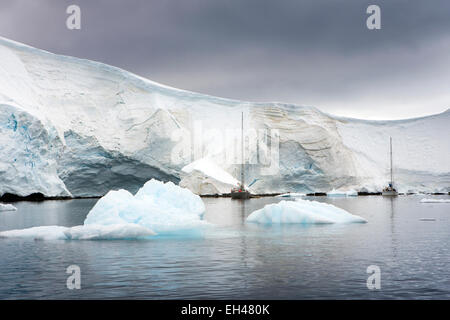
x: 238, y: 260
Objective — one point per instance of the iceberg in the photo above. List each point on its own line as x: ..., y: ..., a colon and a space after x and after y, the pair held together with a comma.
x: 164, y: 208
x: 302, y: 212
x: 435, y: 200
x: 90, y: 232
x: 341, y: 193
x: 7, y: 207
x: 37, y: 233
x: 108, y: 232
x: 157, y: 209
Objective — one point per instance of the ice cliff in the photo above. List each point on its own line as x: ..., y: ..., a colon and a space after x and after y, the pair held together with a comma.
x: 73, y: 127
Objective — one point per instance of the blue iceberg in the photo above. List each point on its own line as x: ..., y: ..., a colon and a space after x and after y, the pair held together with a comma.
x: 157, y: 209
x: 164, y: 208
x: 302, y: 212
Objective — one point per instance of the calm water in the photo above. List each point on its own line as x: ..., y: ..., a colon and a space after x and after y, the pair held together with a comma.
x: 238, y: 260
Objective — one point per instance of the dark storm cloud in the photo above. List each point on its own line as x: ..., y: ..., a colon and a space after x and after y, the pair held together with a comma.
x: 312, y: 52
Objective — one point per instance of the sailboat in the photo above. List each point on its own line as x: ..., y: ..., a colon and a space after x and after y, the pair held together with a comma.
x: 390, y: 190
x: 240, y: 192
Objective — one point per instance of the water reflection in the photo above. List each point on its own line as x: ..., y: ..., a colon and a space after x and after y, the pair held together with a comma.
x: 393, y: 235
x: 238, y: 260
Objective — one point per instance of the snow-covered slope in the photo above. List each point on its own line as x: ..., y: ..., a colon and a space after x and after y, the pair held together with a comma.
x: 73, y: 127
x: 206, y: 178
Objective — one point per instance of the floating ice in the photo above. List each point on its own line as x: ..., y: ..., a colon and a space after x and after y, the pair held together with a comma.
x: 291, y: 195
x: 341, y: 193
x: 90, y: 232
x: 157, y: 208
x: 105, y: 232
x: 435, y: 200
x: 161, y: 207
x: 7, y: 207
x: 38, y: 233
x: 302, y: 211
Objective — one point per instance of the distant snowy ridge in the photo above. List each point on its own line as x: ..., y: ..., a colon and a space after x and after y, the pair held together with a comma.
x: 74, y: 127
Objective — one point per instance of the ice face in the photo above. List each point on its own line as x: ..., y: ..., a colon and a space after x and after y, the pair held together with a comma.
x: 302, y: 212
x: 28, y: 149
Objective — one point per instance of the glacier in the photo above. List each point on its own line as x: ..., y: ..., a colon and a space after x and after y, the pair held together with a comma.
x: 71, y: 127
x: 302, y: 212
x: 157, y: 210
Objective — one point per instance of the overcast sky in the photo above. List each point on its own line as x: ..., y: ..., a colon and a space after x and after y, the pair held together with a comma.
x: 308, y: 52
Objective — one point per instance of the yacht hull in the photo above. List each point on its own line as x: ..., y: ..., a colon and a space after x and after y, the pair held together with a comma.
x: 240, y: 195
x: 389, y: 193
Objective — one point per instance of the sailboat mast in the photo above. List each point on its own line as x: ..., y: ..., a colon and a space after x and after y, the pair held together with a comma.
x: 392, y: 179
x: 242, y: 149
